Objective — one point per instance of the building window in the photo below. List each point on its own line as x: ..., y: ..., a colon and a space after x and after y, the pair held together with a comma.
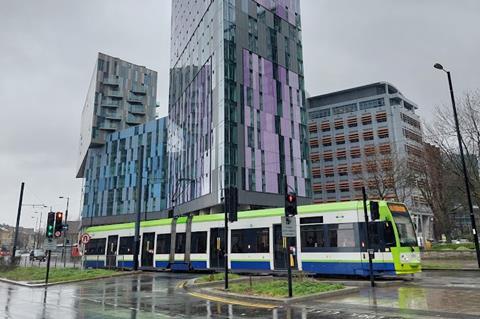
x: 370, y: 104
x: 367, y: 119
x: 368, y: 135
x: 383, y: 133
x: 320, y: 114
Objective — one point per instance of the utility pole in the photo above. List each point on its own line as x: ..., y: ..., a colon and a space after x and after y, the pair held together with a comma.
x: 367, y: 238
x: 136, y: 247
x: 19, y: 213
x: 464, y: 165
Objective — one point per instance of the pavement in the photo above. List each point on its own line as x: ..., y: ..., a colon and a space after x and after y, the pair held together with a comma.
x: 159, y: 295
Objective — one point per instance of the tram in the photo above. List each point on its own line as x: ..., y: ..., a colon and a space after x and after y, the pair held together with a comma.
x: 330, y: 240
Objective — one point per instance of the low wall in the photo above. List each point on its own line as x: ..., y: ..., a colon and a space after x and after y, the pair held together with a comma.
x: 449, y: 254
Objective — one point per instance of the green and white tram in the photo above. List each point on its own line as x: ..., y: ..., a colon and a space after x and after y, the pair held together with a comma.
x: 330, y: 240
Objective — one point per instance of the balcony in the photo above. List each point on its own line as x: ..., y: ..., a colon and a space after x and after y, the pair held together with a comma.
x: 132, y: 98
x: 137, y: 109
x: 108, y: 126
x: 111, y: 115
x: 111, y: 81
x: 110, y: 103
x: 138, y: 89
x: 134, y: 119
x: 114, y: 93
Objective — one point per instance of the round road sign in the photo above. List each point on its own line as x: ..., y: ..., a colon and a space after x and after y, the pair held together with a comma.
x: 85, y: 238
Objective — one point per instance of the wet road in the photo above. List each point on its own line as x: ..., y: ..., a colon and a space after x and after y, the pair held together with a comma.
x: 156, y: 295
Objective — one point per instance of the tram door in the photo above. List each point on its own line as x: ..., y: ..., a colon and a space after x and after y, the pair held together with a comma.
x: 217, y: 248
x: 279, y: 256
x: 147, y: 249
x: 112, y: 251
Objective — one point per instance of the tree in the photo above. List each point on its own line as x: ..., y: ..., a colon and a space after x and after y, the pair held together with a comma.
x: 444, y: 178
x: 443, y: 135
x: 387, y: 175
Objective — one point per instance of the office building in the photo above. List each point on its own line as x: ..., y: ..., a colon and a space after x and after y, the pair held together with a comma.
x: 237, y: 114
x: 120, y: 95
x: 367, y: 136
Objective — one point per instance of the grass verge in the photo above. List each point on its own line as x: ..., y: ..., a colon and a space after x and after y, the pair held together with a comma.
x: 216, y: 277
x: 279, y: 288
x: 56, y: 275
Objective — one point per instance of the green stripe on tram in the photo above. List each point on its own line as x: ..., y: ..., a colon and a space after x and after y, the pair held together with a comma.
x: 308, y: 209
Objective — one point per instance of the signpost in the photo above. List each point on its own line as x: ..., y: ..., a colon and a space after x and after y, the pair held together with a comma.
x: 289, y: 226
x: 49, y: 244
x: 85, y: 239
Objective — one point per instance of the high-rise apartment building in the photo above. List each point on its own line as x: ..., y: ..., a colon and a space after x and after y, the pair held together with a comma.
x: 367, y: 136
x: 112, y: 175
x: 120, y: 95
x: 237, y: 114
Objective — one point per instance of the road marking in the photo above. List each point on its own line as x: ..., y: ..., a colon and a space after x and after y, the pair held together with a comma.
x: 232, y: 302
x: 181, y: 285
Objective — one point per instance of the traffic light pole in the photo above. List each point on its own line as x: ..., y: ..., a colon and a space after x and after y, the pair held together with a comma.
x: 49, y: 255
x: 287, y: 247
x: 367, y: 239
x: 64, y: 251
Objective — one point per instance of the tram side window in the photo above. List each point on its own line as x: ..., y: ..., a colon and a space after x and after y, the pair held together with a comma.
x: 95, y: 247
x: 313, y: 236
x: 126, y: 245
x: 341, y: 236
x: 255, y: 240
x: 180, y: 243
x: 199, y: 243
x: 163, y: 243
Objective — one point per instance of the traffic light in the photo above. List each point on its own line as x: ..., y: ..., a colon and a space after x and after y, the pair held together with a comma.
x: 50, y: 224
x: 58, y: 224
x: 290, y: 204
x: 231, y: 203
x: 374, y: 210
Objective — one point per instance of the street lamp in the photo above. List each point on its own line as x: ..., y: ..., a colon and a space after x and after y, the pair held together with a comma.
x: 64, y: 257
x: 462, y: 157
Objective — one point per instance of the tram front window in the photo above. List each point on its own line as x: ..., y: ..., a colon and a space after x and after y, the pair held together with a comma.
x: 406, y: 232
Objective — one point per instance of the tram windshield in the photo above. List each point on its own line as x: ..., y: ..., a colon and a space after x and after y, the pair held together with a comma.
x: 406, y: 232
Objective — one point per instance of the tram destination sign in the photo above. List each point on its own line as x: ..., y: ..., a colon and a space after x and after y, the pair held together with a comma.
x: 289, y: 226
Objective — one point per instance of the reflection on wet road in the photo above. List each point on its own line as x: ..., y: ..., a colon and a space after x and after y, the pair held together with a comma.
x: 156, y: 295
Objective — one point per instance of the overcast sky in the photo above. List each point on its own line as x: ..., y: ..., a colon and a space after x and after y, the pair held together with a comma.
x: 48, y: 50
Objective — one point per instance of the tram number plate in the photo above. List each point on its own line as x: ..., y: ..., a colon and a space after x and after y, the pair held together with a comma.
x: 289, y: 226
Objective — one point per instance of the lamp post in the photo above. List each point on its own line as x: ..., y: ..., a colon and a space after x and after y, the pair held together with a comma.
x: 64, y: 257
x: 462, y: 157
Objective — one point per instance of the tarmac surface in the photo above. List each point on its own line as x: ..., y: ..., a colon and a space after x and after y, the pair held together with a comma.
x: 436, y: 294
